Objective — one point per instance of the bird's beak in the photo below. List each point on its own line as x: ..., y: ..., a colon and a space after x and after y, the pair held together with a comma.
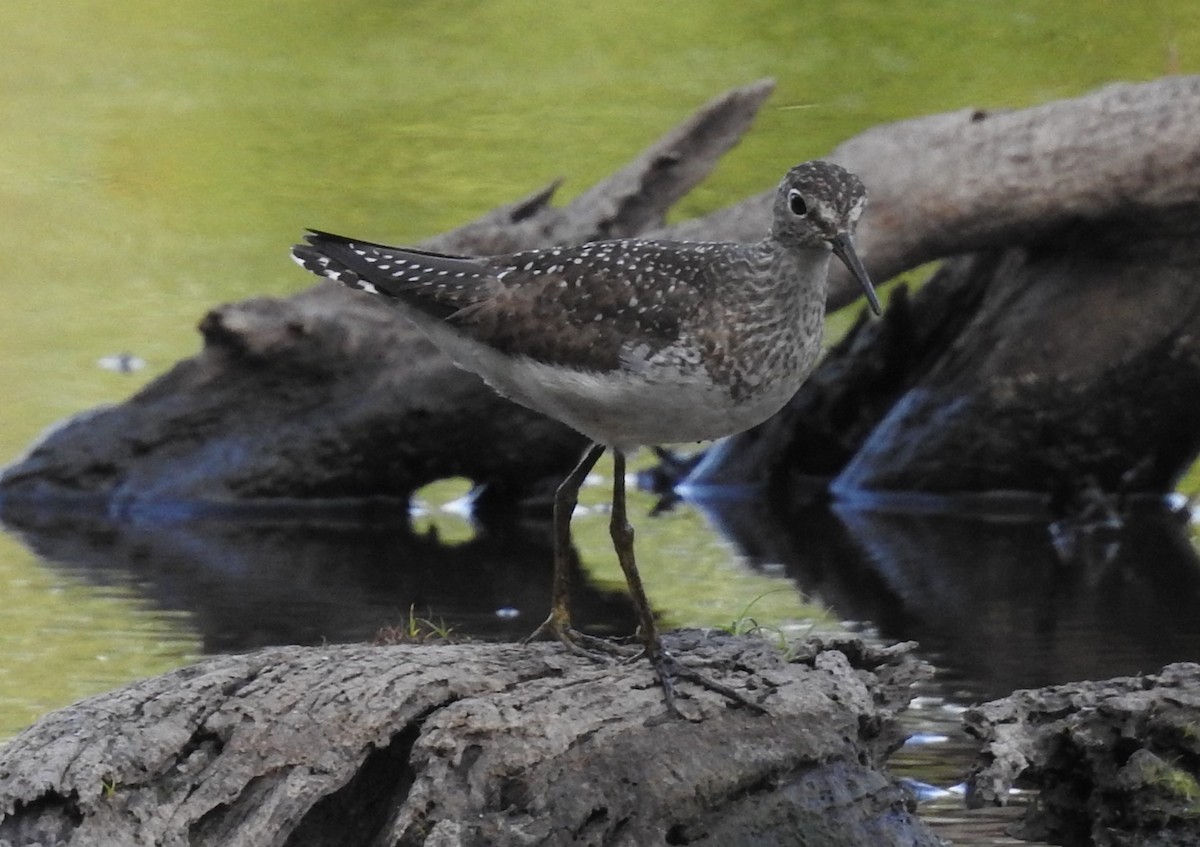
x: 843, y: 248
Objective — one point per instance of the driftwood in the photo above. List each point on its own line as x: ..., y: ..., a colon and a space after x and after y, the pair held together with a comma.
x: 472, y: 745
x: 973, y: 180
x: 1061, y: 360
x: 1072, y: 376
x: 1117, y: 762
x: 320, y: 399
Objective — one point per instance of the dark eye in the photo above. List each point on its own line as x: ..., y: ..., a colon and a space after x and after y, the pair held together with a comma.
x: 796, y: 204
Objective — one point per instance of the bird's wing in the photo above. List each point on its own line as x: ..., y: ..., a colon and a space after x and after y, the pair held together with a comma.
x: 580, y: 306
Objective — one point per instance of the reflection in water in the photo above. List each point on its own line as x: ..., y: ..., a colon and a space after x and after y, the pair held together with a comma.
x: 992, y: 602
x: 995, y: 604
x: 257, y: 580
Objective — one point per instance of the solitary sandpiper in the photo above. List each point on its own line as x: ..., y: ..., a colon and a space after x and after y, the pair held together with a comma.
x: 631, y: 342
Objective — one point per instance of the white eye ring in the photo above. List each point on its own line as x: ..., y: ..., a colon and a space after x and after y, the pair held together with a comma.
x: 797, y: 203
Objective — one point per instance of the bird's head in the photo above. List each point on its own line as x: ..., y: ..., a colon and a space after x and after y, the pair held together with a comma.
x: 818, y: 205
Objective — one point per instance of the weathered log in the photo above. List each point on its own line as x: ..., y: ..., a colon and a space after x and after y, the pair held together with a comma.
x: 1117, y: 762
x: 1078, y: 375
x: 319, y: 398
x: 973, y: 180
x: 1066, y: 367
x: 472, y: 745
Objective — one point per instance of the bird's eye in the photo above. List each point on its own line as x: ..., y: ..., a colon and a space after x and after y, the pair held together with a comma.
x: 796, y: 204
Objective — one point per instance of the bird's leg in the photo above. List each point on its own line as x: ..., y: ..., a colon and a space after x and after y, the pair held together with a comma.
x: 666, y: 667
x: 566, y: 497
x: 622, y: 537
x: 558, y: 624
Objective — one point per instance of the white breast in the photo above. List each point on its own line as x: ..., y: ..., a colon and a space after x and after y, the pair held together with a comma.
x: 668, y: 399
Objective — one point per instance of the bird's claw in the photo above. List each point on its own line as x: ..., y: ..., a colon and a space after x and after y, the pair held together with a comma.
x: 667, y: 669
x: 580, y: 643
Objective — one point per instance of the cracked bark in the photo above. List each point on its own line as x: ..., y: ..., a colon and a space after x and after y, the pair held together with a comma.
x: 470, y: 744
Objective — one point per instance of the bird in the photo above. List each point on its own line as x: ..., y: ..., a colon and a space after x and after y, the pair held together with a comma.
x: 631, y: 342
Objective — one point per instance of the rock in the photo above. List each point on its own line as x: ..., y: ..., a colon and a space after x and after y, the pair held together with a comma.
x: 1116, y: 762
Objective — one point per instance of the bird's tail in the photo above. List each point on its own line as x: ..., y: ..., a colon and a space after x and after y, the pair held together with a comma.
x: 437, y: 284
x: 327, y: 255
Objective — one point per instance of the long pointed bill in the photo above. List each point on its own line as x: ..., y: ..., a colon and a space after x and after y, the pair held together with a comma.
x: 843, y: 248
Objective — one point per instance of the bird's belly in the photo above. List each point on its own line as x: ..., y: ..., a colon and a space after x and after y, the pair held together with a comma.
x: 624, y: 411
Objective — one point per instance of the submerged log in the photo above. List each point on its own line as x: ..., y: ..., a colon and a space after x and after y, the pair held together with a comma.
x: 473, y: 745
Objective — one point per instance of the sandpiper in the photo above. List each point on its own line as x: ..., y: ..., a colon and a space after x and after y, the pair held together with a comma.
x: 631, y: 342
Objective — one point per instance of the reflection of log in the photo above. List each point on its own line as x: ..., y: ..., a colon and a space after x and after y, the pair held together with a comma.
x: 476, y: 744
x: 257, y: 578
x: 1002, y: 603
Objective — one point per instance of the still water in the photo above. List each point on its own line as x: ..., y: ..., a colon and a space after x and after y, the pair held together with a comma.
x: 996, y: 604
x: 158, y: 159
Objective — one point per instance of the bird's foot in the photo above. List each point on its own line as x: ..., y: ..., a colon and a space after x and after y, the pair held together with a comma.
x: 668, y: 669
x: 580, y: 643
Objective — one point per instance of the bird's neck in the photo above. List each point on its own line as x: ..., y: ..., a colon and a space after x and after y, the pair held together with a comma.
x: 806, y: 268
x: 797, y: 306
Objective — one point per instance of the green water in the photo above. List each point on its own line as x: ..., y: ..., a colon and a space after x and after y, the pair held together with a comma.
x: 159, y: 158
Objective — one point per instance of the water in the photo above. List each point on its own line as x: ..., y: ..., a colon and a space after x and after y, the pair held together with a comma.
x: 159, y: 159
x: 995, y: 604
